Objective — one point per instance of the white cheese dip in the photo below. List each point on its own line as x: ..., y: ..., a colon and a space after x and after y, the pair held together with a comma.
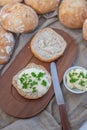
x: 39, y: 85
x: 77, y: 79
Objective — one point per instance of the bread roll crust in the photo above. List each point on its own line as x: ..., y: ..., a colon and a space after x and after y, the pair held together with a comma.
x: 85, y: 30
x: 47, y: 45
x: 7, y: 43
x: 72, y: 13
x: 18, y: 18
x: 30, y: 95
x: 4, y: 2
x: 42, y: 7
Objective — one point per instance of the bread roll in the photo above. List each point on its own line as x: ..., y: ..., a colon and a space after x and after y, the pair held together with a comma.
x: 18, y: 18
x: 47, y: 45
x: 72, y: 13
x: 4, y: 2
x: 85, y: 29
x: 32, y: 82
x: 7, y: 42
x: 42, y: 6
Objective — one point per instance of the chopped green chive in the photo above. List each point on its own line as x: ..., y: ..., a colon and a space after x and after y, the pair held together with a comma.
x: 73, y: 80
x: 40, y: 75
x: 44, y: 83
x: 82, y: 83
x: 34, y: 90
x: 33, y: 74
x: 77, y: 79
x: 24, y: 85
x: 30, y: 80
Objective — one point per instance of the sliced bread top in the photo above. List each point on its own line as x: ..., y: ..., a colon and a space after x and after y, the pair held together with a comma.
x: 47, y: 45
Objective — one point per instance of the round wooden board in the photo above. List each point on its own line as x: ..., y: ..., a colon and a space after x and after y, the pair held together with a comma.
x: 14, y: 104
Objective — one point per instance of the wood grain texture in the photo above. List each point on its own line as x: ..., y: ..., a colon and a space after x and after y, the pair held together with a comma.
x: 64, y: 117
x: 14, y: 104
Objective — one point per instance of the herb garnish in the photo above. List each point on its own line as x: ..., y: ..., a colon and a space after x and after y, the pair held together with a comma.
x: 44, y: 83
x: 34, y: 90
x: 77, y: 79
x: 40, y: 75
x: 31, y: 80
x: 25, y: 79
x: 82, y: 82
x: 33, y: 74
x: 73, y: 77
x: 73, y: 80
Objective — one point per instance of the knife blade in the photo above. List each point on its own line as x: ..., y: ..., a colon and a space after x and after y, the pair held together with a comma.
x: 59, y: 97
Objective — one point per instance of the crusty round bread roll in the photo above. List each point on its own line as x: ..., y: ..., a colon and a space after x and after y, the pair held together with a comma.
x: 7, y: 43
x: 85, y: 29
x: 47, y: 45
x: 4, y: 2
x: 18, y: 18
x: 32, y: 82
x: 42, y: 7
x: 72, y: 13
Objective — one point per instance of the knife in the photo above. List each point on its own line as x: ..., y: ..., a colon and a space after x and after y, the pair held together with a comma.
x: 59, y: 97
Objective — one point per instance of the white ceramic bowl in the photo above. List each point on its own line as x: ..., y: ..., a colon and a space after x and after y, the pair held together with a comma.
x: 76, y: 91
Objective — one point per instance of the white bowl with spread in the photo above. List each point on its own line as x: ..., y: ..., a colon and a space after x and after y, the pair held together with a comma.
x: 75, y: 79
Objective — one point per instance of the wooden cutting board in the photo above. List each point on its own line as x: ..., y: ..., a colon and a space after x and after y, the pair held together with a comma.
x: 14, y: 104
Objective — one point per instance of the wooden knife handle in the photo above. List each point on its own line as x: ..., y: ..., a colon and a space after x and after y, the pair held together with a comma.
x: 64, y: 117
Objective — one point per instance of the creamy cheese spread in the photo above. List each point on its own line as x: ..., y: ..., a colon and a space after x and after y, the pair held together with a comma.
x: 77, y: 79
x: 33, y: 80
